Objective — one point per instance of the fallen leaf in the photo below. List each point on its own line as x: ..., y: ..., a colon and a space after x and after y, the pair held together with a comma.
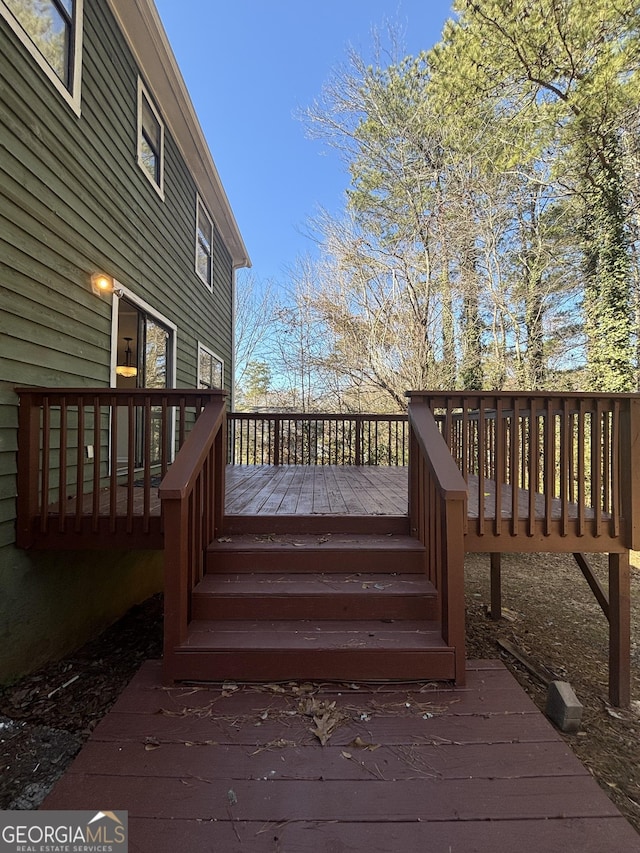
x: 225, y: 539
x: 151, y: 743
x: 346, y: 754
x: 324, y: 727
x: 360, y: 744
x: 614, y: 714
x: 231, y: 796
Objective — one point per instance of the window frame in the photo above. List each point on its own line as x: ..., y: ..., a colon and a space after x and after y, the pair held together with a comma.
x: 202, y: 348
x: 73, y: 94
x: 201, y: 206
x: 144, y: 95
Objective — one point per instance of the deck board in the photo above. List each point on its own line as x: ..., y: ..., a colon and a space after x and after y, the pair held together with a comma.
x: 315, y: 490
x: 460, y: 769
x: 332, y: 490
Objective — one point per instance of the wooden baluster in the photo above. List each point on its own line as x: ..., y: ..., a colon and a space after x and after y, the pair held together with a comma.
x: 606, y: 457
x: 614, y: 454
x: 147, y: 460
x: 46, y: 466
x: 499, y: 464
x: 62, y: 470
x: 596, y: 467
x: 131, y: 458
x: 581, y: 468
x: 564, y: 467
x: 514, y: 467
x: 97, y: 444
x: 80, y: 467
x: 113, y: 462
x: 549, y: 465
x: 534, y: 464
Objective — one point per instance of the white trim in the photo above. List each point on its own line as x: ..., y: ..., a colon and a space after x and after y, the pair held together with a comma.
x: 203, y: 348
x: 73, y: 97
x: 144, y: 92
x: 152, y: 312
x: 200, y: 204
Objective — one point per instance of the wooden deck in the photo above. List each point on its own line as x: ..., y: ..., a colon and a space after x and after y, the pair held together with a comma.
x: 324, y: 490
x: 412, y: 767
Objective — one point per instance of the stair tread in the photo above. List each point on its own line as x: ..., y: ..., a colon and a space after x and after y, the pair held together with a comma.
x: 294, y: 635
x: 314, y: 541
x: 313, y: 584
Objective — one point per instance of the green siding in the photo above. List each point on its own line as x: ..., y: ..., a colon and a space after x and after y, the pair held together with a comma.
x: 73, y: 200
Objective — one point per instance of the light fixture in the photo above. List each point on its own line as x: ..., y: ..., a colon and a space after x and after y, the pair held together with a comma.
x: 102, y: 283
x: 127, y: 369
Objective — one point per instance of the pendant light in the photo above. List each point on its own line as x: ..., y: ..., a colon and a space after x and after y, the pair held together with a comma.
x: 127, y: 369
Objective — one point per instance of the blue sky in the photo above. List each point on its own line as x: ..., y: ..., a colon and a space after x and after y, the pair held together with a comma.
x: 250, y: 67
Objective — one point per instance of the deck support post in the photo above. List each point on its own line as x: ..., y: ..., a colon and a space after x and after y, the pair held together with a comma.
x: 619, y: 630
x: 496, y: 586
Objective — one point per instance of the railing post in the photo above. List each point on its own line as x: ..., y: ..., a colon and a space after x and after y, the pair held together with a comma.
x: 219, y: 472
x: 453, y: 607
x: 28, y: 468
x: 619, y: 630
x: 276, y: 440
x: 630, y: 471
x: 176, y: 579
x: 358, y: 441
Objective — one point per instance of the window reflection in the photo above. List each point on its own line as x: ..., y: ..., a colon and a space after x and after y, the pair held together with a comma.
x: 49, y: 24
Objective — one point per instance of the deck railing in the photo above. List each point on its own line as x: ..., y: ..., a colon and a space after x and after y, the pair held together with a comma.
x: 545, y: 463
x: 437, y: 499
x: 90, y: 460
x: 317, y: 439
x: 192, y: 494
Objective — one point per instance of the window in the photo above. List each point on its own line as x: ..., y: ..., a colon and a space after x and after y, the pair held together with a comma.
x: 150, y: 140
x: 204, y: 245
x: 210, y: 369
x: 52, y: 32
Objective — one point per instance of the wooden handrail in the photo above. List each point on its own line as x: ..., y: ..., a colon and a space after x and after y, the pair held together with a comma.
x: 179, y: 480
x: 446, y: 473
x: 192, y: 495
x: 437, y: 500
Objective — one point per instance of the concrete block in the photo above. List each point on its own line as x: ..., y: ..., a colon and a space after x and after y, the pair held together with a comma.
x: 563, y: 706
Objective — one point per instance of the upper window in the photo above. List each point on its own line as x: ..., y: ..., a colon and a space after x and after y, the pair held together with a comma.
x: 210, y: 369
x: 150, y: 139
x: 52, y: 32
x: 204, y: 245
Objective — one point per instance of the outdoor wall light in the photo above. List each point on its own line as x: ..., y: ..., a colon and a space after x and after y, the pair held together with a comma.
x: 102, y: 283
x: 127, y: 369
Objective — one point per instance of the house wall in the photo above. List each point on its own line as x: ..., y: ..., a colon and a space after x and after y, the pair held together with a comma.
x: 74, y: 201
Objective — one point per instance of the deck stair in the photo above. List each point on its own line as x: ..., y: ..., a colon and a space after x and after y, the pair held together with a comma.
x: 330, y: 606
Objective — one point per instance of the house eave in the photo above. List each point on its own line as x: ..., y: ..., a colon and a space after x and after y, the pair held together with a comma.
x: 143, y: 29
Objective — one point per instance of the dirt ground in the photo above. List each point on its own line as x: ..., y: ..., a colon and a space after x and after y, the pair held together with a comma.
x: 551, y: 616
